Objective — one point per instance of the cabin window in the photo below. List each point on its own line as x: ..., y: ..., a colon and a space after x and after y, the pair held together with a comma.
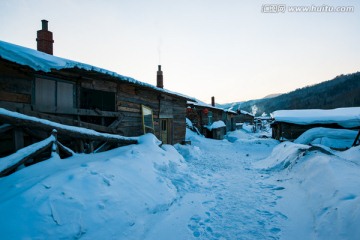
x: 51, y: 93
x: 148, y: 120
x: 96, y: 99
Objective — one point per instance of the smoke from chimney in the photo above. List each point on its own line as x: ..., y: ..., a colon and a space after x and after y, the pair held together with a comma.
x: 159, y: 78
x: 45, y: 39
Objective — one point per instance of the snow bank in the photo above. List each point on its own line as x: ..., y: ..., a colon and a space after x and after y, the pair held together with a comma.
x: 117, y: 194
x: 345, y: 117
x: 283, y: 156
x: 334, y: 138
x: 216, y: 125
x: 329, y: 200
x: 318, y: 191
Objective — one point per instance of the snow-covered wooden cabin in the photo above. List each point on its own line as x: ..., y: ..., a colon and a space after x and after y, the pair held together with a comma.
x: 212, y: 122
x: 39, y: 84
x: 290, y: 124
x: 243, y: 117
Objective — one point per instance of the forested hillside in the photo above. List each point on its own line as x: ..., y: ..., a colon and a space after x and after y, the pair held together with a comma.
x: 342, y: 91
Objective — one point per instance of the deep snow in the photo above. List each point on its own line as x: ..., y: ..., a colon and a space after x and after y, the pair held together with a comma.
x: 346, y: 117
x: 243, y: 187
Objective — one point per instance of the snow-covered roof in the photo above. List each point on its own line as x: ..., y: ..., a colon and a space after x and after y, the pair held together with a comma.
x: 246, y: 113
x: 345, y: 117
x: 202, y: 104
x: 216, y: 125
x: 40, y: 61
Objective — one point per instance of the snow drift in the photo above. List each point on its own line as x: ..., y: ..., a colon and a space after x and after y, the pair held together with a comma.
x: 116, y: 191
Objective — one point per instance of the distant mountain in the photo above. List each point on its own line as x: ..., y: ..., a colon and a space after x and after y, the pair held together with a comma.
x: 342, y: 91
x: 272, y: 95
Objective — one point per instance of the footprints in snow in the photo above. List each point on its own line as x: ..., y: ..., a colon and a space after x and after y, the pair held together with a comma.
x: 202, y: 227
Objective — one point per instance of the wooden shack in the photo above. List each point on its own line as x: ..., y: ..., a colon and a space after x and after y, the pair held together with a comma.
x: 77, y: 94
x: 203, y: 116
x: 244, y: 117
x: 290, y: 124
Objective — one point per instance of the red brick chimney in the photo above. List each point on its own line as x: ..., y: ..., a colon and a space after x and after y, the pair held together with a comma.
x: 159, y: 78
x: 213, y: 101
x: 45, y: 39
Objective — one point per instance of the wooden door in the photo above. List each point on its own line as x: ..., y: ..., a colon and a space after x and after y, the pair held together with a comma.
x: 164, y: 131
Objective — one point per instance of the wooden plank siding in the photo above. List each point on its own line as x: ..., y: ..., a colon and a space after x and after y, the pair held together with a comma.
x: 18, y: 89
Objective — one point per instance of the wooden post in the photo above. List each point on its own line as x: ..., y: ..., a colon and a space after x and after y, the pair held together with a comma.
x: 18, y: 138
x: 55, y: 149
x: 91, y: 147
x: 81, y: 146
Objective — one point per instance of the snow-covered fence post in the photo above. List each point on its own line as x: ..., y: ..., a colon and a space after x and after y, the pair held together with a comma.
x: 54, y: 149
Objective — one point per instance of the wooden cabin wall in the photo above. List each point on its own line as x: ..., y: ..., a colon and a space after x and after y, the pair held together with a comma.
x: 129, y: 101
x: 14, y: 85
x: 242, y: 118
x: 17, y: 86
x: 178, y: 121
x: 217, y: 115
x: 291, y: 131
x: 229, y: 121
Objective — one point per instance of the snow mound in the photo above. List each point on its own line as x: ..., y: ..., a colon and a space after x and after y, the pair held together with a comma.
x: 119, y: 192
x: 283, y: 156
x: 216, y: 125
x: 352, y: 154
x: 333, y: 138
x: 329, y: 204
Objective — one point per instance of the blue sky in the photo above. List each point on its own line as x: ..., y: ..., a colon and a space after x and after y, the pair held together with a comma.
x: 228, y: 49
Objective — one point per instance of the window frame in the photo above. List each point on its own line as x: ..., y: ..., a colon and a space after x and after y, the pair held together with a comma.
x: 145, y: 127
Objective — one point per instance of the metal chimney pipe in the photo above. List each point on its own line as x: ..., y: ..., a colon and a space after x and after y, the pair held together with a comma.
x: 213, y: 101
x: 159, y: 78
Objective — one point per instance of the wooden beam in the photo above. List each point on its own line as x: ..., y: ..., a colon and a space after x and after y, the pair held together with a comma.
x: 64, y: 150
x: 5, y: 127
x: 357, y: 140
x: 22, y: 160
x: 64, y: 130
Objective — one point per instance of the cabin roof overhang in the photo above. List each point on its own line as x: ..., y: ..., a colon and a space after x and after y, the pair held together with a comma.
x: 30, y: 60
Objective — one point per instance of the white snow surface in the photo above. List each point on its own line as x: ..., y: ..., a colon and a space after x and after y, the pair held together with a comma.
x: 40, y: 61
x: 345, y: 117
x: 189, y: 123
x: 242, y: 187
x: 318, y: 192
x: 216, y: 125
x: 329, y: 137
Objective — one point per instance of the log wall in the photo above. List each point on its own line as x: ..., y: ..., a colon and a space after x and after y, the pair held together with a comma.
x: 17, y: 93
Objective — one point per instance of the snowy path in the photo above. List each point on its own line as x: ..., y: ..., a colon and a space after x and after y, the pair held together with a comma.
x: 215, y: 190
x: 233, y: 201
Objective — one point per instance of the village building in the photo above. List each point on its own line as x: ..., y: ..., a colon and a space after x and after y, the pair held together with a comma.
x: 290, y: 124
x: 36, y: 83
x: 211, y: 121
